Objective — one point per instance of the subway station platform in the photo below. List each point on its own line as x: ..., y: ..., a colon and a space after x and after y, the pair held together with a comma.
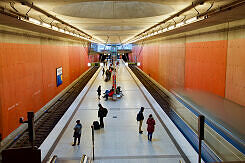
x: 119, y: 141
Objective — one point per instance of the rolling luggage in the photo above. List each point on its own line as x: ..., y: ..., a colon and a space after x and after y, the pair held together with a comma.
x: 114, y: 97
x: 96, y: 125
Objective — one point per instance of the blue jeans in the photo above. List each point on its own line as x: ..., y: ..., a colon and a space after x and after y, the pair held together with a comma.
x: 149, y: 136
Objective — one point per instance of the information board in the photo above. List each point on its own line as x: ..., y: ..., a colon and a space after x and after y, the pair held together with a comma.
x: 59, y: 76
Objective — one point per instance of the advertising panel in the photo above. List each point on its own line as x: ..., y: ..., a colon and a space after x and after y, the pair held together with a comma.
x: 59, y: 76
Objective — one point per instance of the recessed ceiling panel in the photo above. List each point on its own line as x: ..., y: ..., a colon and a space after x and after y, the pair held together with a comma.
x: 113, y: 9
x: 112, y: 28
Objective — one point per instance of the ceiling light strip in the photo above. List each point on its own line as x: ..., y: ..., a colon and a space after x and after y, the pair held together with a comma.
x: 194, y: 4
x: 201, y: 16
x: 50, y: 16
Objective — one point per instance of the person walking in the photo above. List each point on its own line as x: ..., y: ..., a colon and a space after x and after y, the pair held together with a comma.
x: 140, y: 118
x: 77, y: 132
x: 99, y: 92
x: 102, y: 112
x: 150, y: 126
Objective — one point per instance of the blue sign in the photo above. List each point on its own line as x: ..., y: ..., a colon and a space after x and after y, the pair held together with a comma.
x: 59, y: 76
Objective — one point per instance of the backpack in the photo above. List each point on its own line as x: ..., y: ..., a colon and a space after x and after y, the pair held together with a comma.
x: 138, y: 117
x: 96, y: 125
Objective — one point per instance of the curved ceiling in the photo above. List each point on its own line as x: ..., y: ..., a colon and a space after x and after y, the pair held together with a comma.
x: 112, y: 21
x: 112, y: 28
x: 113, y: 9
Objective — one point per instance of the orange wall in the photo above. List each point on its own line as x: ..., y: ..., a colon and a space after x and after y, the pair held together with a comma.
x: 28, y: 77
x: 197, y: 65
x: 150, y: 61
x: 209, y: 59
x: 164, y: 62
x: 235, y: 77
x: 171, y: 65
x: 205, y: 66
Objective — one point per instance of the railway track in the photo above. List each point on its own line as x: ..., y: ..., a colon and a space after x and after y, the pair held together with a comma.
x: 45, y: 124
x: 162, y: 99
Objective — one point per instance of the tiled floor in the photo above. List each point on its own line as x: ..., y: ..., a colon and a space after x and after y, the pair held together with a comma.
x: 119, y: 141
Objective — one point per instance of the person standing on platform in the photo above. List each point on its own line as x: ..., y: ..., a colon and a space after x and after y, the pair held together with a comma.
x: 140, y: 118
x: 77, y: 132
x: 150, y: 126
x: 103, y: 71
x: 102, y: 112
x: 99, y: 92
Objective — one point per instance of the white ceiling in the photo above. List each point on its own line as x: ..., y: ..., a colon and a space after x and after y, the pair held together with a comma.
x: 112, y: 21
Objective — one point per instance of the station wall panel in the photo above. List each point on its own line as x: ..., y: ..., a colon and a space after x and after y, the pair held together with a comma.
x: 171, y: 64
x: 150, y: 61
x: 235, y: 76
x: 28, y: 77
x: 205, y: 66
x: 209, y: 59
x: 137, y: 55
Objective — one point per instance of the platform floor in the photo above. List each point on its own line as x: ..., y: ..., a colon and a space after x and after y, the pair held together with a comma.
x: 119, y: 141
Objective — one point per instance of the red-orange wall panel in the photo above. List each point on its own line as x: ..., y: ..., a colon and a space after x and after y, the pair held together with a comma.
x: 28, y: 77
x: 172, y: 65
x: 137, y: 55
x: 205, y: 66
x: 150, y: 61
x: 235, y: 76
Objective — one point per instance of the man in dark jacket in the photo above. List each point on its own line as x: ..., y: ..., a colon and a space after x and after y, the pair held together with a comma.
x: 99, y: 92
x: 140, y: 118
x: 77, y: 132
x: 102, y: 112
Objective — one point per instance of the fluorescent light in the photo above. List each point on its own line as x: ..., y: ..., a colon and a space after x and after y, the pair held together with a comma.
x: 89, y: 64
x: 180, y: 24
x: 34, y: 21
x: 171, y: 27
x: 67, y: 32
x: 191, y: 20
x: 62, y: 30
x: 164, y: 30
x: 138, y: 63
x: 46, y: 25
x: 55, y: 28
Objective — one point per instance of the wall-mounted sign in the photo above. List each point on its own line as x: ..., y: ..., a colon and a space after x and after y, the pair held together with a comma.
x: 59, y: 76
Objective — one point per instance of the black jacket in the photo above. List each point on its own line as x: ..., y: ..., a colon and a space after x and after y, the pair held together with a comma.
x: 141, y: 116
x: 102, y: 112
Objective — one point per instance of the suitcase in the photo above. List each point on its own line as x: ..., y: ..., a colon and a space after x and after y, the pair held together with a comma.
x: 96, y: 125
